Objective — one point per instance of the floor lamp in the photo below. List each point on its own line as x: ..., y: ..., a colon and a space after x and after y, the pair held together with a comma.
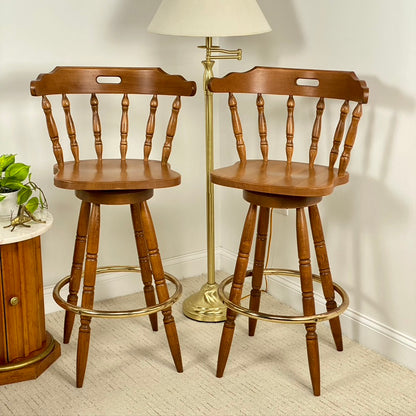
x: 208, y: 19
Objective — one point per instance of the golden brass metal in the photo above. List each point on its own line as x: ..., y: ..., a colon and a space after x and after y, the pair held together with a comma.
x: 22, y: 217
x: 287, y: 319
x: 206, y: 304
x: 14, y: 301
x: 116, y: 314
x: 31, y: 360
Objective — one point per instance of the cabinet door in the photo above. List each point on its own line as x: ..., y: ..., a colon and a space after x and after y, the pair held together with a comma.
x: 24, y: 314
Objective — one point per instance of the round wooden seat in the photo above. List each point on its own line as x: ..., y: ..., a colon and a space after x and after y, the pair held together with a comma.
x: 279, y: 177
x: 115, y: 174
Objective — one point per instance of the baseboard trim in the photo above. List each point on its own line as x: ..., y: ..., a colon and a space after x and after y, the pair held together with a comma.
x: 370, y: 333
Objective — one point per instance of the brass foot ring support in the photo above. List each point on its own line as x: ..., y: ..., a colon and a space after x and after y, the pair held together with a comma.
x: 288, y: 319
x: 95, y: 313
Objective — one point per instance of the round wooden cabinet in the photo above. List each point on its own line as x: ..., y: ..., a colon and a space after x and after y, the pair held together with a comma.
x: 26, y: 348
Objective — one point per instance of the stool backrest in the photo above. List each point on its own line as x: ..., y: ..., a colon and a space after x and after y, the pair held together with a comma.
x: 292, y: 83
x: 91, y: 81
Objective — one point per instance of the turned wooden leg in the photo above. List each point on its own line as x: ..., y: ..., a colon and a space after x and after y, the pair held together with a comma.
x: 88, y: 292
x: 76, y: 270
x: 161, y: 286
x: 258, y: 268
x: 308, y: 298
x: 146, y: 272
x: 237, y: 287
x: 325, y: 273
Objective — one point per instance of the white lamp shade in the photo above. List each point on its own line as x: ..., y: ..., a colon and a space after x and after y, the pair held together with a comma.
x: 209, y: 18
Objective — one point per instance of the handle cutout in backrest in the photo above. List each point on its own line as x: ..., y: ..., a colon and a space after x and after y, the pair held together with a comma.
x: 307, y: 82
x: 104, y: 79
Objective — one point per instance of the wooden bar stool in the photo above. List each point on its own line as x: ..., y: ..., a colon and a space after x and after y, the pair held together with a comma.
x: 288, y: 184
x: 120, y: 181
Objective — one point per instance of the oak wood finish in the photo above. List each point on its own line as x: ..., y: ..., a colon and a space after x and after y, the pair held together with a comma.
x: 116, y: 181
x: 90, y: 273
x: 145, y: 268
x: 258, y: 267
x: 287, y: 177
x: 77, y: 266
x: 325, y: 272
x: 308, y: 302
x: 237, y: 287
x: 23, y: 337
x: 160, y: 283
x: 289, y: 184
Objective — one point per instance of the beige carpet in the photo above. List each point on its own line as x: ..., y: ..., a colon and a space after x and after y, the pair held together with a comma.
x: 130, y: 372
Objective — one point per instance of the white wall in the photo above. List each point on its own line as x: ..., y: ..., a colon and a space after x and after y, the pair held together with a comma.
x: 370, y: 223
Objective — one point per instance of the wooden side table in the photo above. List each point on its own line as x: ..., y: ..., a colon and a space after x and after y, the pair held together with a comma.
x: 26, y: 348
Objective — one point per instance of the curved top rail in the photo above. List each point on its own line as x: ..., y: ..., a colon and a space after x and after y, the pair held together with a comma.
x: 296, y: 82
x: 81, y: 80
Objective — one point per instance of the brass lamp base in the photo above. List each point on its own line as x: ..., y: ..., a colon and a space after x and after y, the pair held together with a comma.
x: 205, y: 305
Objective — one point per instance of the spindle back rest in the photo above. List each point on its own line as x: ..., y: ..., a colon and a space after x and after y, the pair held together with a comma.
x: 124, y: 81
x: 320, y: 84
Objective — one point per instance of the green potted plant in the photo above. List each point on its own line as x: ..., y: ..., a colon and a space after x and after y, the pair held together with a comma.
x: 16, y: 177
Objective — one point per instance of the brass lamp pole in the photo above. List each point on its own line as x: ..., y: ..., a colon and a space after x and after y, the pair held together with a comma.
x: 206, y: 305
x: 208, y: 19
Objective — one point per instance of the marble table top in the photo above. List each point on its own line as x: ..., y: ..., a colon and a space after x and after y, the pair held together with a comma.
x: 24, y: 233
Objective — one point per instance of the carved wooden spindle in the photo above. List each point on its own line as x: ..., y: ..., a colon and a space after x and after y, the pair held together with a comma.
x: 96, y: 124
x: 237, y: 287
x: 145, y: 267
x: 77, y: 265
x: 70, y: 127
x: 308, y: 301
x: 90, y: 274
x: 325, y: 272
x: 258, y: 266
x: 339, y: 133
x: 53, y: 131
x: 350, y: 139
x: 262, y: 128
x: 160, y: 284
x: 150, y: 129
x: 124, y: 126
x: 290, y: 128
x: 171, y: 130
x: 238, y: 132
x: 316, y: 131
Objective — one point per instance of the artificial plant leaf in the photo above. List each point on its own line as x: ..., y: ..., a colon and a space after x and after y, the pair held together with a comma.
x: 18, y: 171
x: 23, y: 195
x: 11, y: 183
x: 2, y: 197
x: 5, y: 161
x: 32, y: 204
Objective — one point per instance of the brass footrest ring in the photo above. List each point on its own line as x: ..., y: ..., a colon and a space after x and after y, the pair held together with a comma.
x: 95, y: 313
x: 288, y: 319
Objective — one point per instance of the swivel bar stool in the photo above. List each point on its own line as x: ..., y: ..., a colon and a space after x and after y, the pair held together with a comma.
x: 288, y: 184
x: 118, y: 181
